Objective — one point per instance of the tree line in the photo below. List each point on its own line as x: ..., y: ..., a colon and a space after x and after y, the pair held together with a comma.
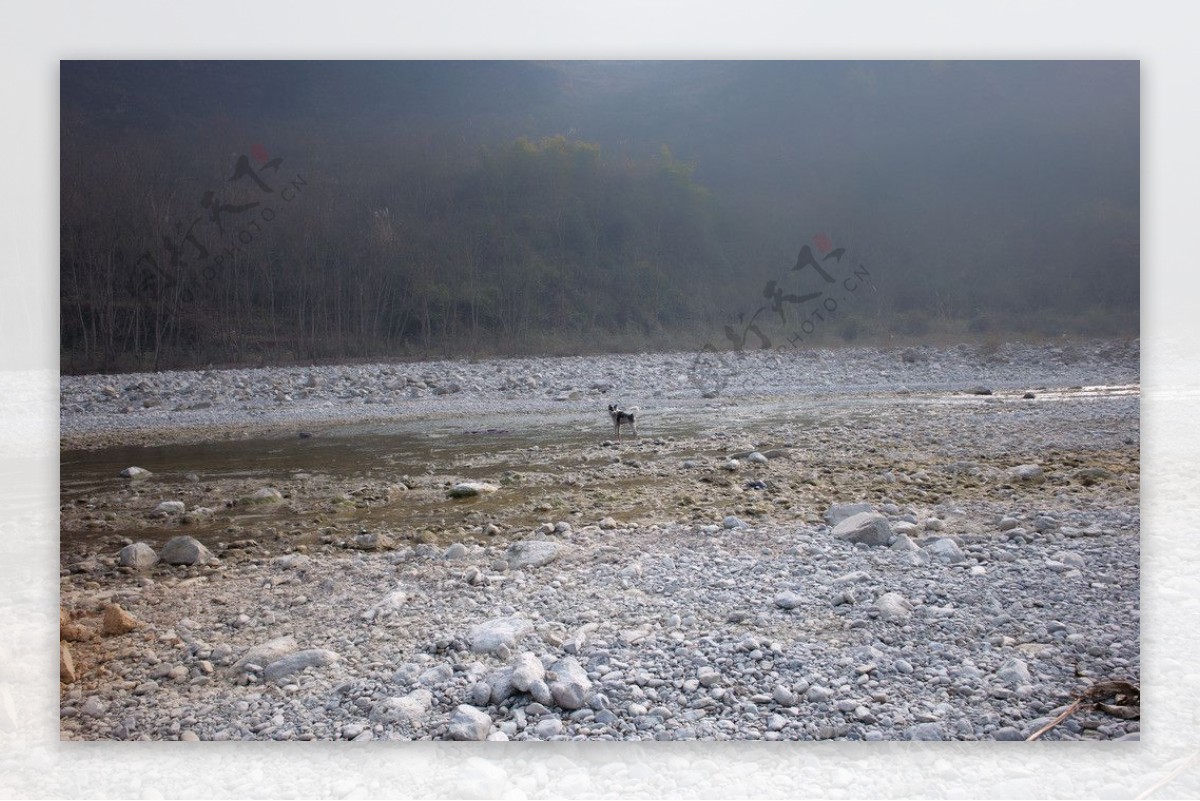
x: 172, y: 258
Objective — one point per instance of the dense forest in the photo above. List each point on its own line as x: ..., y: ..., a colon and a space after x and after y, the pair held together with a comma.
x: 198, y: 231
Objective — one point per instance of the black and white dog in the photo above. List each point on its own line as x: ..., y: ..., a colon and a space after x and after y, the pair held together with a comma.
x: 621, y: 417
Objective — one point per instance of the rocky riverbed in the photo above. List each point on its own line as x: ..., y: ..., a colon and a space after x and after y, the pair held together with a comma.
x: 858, y: 544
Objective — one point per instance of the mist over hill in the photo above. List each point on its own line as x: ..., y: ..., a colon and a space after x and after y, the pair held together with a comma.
x: 234, y: 212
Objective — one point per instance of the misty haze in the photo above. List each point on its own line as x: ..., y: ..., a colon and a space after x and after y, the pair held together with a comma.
x: 710, y: 400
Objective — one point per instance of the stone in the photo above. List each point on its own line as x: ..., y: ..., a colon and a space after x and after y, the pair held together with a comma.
x: 292, y: 561
x: 526, y: 670
x: 924, y: 731
x: 783, y: 696
x: 571, y: 684
x: 540, y: 692
x: 1069, y: 558
x: 731, y: 521
x: 372, y: 541
x: 756, y: 458
x: 945, y: 550
x: 167, y: 508
x: 387, y: 606
x: 548, y: 727
x: 455, y: 551
x: 491, y: 635
x: 608, y: 524
x: 470, y: 489
x: 66, y: 664
x: 468, y: 723
x: 75, y: 632
x: 840, y: 511
x: 1008, y: 734
x: 1014, y: 672
x: 480, y: 693
x: 185, y: 551
x: 501, y: 683
x: 438, y: 674
x: 139, y: 556
x: 788, y: 600
x: 92, y: 708
x: 135, y: 472
x: 118, y: 621
x: 894, y: 607
x: 869, y: 528
x: 294, y: 663
x: 1027, y: 474
x: 265, y: 495
x: 407, y: 709
x: 266, y: 653
x: 531, y: 553
x: 708, y: 676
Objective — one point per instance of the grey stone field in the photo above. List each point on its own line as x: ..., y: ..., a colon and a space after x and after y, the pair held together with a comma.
x: 855, y: 544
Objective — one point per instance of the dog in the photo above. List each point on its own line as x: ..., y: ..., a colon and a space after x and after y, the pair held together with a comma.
x: 621, y: 417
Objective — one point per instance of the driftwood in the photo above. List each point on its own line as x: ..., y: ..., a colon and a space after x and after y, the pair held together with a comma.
x: 1120, y: 699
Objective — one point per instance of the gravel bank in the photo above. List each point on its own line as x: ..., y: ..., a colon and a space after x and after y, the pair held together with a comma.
x: 847, y: 545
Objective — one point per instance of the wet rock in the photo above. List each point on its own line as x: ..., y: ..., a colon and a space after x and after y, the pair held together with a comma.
x: 470, y: 489
x: 869, y: 528
x: 139, y: 556
x: 185, y: 551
